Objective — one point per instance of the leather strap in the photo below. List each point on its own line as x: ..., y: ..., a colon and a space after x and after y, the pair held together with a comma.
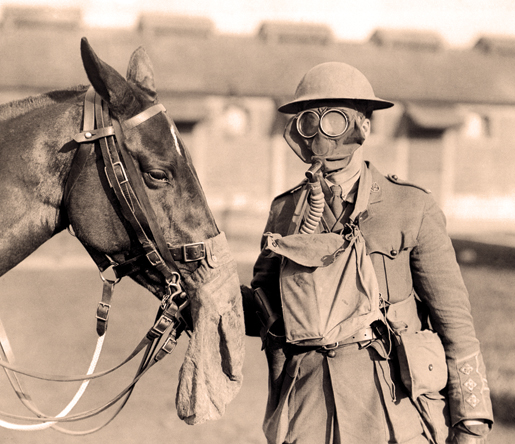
x: 84, y: 150
x: 169, y: 317
x: 104, y: 306
x: 91, y: 136
x: 132, y: 199
x: 189, y: 252
x: 143, y: 116
x: 365, y: 334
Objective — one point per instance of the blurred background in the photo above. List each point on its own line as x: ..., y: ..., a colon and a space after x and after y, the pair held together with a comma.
x: 222, y: 68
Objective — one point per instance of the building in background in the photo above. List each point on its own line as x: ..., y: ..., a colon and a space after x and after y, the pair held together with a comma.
x: 452, y: 129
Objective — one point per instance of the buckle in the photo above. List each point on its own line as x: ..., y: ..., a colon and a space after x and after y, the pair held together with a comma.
x: 161, y: 325
x: 154, y: 258
x: 169, y: 345
x: 194, y: 252
x: 332, y: 346
x: 122, y: 170
x: 103, y: 311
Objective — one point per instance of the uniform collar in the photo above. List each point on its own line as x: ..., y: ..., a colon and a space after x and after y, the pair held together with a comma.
x: 378, y: 182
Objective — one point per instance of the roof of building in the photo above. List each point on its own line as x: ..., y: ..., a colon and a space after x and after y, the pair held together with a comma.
x: 190, y: 57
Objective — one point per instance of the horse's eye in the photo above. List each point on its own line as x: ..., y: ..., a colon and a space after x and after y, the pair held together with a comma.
x: 158, y: 175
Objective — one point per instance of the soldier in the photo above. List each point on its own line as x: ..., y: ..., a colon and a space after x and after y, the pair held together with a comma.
x: 364, y: 315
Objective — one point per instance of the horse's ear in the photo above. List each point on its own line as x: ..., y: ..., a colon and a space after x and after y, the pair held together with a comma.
x: 141, y: 73
x: 111, y: 86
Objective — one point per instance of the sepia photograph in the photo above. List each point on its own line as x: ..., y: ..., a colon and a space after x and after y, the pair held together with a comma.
x: 257, y: 222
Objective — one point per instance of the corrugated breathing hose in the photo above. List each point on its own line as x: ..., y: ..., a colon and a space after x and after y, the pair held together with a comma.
x: 316, y: 200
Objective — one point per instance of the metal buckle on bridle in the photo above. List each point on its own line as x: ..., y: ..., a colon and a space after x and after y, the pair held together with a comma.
x: 180, y: 324
x: 103, y: 311
x: 154, y: 258
x: 170, y: 306
x: 194, y: 252
x: 122, y: 171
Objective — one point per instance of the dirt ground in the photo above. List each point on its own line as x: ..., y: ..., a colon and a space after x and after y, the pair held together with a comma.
x: 50, y: 318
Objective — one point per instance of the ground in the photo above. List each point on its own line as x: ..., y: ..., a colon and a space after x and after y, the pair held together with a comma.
x: 48, y: 308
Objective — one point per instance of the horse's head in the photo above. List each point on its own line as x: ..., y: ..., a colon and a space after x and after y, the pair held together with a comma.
x: 137, y: 204
x: 156, y: 155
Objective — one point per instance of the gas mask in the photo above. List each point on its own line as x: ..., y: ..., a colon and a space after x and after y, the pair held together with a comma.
x: 330, y: 135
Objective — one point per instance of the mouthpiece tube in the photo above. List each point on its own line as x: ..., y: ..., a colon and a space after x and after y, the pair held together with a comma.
x: 313, y: 170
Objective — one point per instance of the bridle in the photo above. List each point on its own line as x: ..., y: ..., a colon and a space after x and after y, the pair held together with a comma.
x: 132, y: 200
x: 125, y: 181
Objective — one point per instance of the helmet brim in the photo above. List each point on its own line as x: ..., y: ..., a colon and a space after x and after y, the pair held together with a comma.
x: 296, y: 106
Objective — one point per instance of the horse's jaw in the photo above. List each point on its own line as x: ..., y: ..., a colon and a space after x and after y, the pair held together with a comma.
x: 153, y: 284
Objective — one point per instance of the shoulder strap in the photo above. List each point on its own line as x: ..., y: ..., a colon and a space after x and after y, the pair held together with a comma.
x: 395, y: 179
x: 300, y: 208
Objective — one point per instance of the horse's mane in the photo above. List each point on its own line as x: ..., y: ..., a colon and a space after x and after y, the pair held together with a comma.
x: 17, y: 108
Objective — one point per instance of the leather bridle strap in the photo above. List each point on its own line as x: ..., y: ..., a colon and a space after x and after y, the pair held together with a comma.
x: 133, y: 200
x: 125, y: 181
x: 144, y: 115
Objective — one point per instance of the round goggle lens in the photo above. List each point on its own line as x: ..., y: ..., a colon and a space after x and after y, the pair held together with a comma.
x: 333, y: 123
x: 307, y: 124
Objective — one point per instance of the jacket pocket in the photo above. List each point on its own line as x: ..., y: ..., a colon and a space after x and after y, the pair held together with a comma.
x: 422, y: 362
x: 392, y: 264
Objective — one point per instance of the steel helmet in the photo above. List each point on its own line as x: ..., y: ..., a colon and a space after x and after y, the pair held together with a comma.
x: 332, y: 81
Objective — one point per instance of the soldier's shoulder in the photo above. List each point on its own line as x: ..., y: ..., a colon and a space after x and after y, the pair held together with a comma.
x: 398, y: 181
x: 291, y: 191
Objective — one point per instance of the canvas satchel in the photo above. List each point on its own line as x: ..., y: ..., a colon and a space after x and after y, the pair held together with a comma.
x: 329, y: 289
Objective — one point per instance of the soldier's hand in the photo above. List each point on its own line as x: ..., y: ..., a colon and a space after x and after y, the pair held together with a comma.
x: 471, y: 431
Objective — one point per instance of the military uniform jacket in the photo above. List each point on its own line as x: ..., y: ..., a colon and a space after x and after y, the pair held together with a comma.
x: 410, y: 249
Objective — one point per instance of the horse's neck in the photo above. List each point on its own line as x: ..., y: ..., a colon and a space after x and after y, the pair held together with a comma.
x: 20, y: 240
x: 35, y: 156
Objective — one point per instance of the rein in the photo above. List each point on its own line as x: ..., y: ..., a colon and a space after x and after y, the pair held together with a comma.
x: 126, y: 183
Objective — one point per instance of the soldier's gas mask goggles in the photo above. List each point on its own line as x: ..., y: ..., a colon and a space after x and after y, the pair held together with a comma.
x: 327, y: 134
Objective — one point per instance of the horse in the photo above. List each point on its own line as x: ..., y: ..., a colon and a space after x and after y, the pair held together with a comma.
x: 106, y: 162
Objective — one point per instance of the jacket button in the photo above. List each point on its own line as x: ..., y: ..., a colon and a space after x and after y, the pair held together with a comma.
x: 430, y: 367
x: 394, y: 252
x: 331, y: 353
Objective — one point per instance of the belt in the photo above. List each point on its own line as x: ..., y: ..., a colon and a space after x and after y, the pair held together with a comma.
x: 366, y: 334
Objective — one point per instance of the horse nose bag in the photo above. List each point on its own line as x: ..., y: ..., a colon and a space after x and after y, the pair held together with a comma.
x: 211, y: 374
